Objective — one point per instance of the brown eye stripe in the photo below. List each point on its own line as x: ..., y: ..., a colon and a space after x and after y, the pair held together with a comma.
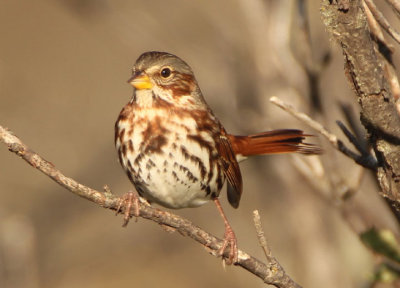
x: 182, y: 85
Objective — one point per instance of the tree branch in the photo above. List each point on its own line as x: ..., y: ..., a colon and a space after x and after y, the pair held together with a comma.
x: 270, y: 273
x: 364, y: 70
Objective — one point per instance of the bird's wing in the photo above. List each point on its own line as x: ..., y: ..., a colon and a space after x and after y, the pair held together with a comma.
x: 231, y: 170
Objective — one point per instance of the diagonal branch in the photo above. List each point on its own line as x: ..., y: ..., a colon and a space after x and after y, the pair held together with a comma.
x: 365, y: 160
x: 380, y: 18
x: 395, y: 5
x: 270, y: 274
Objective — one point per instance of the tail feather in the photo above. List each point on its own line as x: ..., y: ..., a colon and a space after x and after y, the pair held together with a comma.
x: 272, y: 142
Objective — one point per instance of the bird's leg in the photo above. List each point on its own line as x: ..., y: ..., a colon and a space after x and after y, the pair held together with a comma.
x: 229, y: 237
x: 129, y: 200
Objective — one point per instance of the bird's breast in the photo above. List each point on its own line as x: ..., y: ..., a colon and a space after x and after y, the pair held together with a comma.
x: 169, y: 159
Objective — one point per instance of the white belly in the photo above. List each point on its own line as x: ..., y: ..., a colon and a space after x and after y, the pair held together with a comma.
x: 174, y: 174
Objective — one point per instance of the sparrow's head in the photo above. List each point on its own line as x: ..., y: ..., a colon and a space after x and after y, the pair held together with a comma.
x: 160, y: 77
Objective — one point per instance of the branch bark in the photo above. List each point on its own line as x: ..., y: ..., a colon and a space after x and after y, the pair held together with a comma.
x: 271, y: 273
x: 364, y: 70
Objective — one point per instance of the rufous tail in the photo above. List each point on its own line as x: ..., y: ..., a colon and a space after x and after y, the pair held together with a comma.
x: 272, y: 142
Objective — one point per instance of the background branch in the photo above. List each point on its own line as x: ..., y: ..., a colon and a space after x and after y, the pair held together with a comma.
x: 382, y: 20
x: 365, y: 160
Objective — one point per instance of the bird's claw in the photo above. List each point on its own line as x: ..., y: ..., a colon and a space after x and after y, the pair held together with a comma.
x: 231, y: 241
x: 129, y: 200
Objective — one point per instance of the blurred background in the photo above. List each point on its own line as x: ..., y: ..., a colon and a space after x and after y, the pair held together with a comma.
x: 63, y: 71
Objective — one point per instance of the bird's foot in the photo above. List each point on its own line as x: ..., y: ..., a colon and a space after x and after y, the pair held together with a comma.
x: 231, y: 241
x: 130, y: 201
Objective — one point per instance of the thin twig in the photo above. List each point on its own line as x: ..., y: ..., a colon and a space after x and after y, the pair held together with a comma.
x: 311, y: 67
x: 107, y: 200
x: 332, y: 138
x: 306, y: 119
x: 396, y: 5
x: 356, y: 127
x: 273, y: 264
x: 376, y: 31
x: 261, y: 235
x: 382, y: 20
x: 353, y: 139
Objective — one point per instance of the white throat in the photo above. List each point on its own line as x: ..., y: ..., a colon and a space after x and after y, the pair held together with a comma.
x: 144, y: 98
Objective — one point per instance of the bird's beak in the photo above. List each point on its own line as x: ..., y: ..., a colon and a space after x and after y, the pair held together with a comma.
x: 140, y: 81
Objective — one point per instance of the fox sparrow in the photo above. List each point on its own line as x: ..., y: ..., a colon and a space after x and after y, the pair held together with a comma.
x: 174, y: 149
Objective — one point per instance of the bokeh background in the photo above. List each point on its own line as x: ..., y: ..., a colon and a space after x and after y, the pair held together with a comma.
x: 63, y: 71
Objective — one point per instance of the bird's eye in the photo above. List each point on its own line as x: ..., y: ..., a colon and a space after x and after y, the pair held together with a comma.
x: 165, y: 72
